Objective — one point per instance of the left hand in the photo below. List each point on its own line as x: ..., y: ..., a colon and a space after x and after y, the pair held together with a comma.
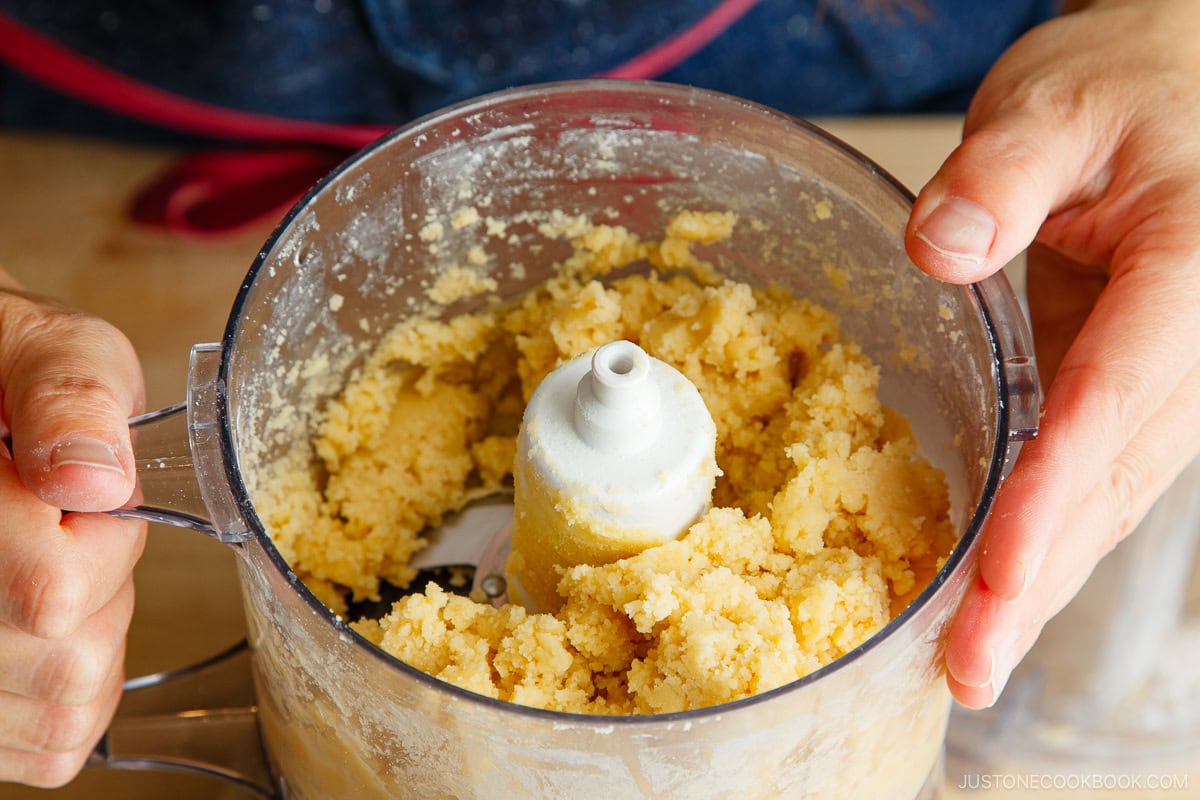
x: 1084, y: 140
x: 68, y: 384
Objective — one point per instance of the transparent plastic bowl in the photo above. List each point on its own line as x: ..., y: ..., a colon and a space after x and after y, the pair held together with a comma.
x: 341, y: 718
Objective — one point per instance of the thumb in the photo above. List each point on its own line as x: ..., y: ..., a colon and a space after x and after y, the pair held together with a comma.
x: 989, y: 199
x: 69, y: 383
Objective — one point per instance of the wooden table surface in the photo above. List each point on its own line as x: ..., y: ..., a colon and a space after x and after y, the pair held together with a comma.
x: 64, y: 232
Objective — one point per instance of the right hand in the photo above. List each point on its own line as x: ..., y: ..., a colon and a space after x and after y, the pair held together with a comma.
x: 1081, y: 142
x: 68, y: 383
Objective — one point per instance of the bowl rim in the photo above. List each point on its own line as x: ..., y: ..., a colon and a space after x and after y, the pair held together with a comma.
x: 959, y: 557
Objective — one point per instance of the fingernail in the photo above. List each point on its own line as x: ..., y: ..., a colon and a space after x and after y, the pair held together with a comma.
x: 979, y: 683
x: 997, y: 684
x: 1004, y: 657
x: 1029, y: 573
x: 1026, y: 579
x: 85, y: 452
x: 959, y: 229
x: 994, y: 694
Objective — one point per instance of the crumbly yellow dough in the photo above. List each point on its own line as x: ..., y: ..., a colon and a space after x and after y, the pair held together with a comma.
x: 459, y: 283
x: 826, y: 520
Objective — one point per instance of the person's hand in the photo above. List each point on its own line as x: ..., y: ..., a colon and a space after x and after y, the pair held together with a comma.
x: 1085, y: 139
x: 68, y: 382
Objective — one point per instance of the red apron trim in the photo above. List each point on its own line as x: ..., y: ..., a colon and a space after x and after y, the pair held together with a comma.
x: 65, y: 71
x: 674, y: 51
x: 215, y: 192
x: 220, y: 191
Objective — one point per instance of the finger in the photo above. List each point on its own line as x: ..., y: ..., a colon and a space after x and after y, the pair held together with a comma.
x: 989, y: 199
x: 973, y: 646
x: 70, y: 671
x: 989, y: 634
x: 70, y: 382
x: 44, y: 745
x: 1135, y: 349
x: 35, y: 726
x: 55, y: 570
x: 1062, y: 293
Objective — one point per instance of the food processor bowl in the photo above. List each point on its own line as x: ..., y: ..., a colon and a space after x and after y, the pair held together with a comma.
x: 341, y: 718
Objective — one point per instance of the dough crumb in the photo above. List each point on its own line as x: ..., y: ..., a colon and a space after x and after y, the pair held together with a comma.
x: 459, y: 283
x: 464, y: 217
x: 431, y: 232
x: 825, y: 523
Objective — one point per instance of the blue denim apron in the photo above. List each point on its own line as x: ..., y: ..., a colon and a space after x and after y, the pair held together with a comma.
x: 386, y: 61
